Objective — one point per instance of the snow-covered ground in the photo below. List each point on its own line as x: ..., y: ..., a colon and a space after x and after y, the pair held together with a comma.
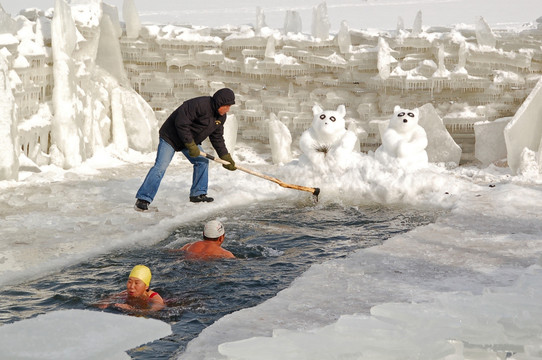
x: 78, y: 334
x: 471, y: 281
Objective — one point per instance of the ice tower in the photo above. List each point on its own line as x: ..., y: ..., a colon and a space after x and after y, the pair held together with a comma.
x: 67, y: 143
x: 292, y: 22
x: 343, y: 38
x: 484, y: 35
x: 131, y: 18
x: 417, y: 26
x: 280, y: 141
x: 109, y: 55
x: 260, y: 20
x: 9, y: 163
x: 320, y: 22
x: 524, y: 131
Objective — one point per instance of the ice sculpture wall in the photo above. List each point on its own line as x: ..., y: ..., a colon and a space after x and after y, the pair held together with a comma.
x: 275, y: 73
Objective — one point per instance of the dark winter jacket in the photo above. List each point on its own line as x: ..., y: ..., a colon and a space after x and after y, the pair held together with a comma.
x: 196, y: 119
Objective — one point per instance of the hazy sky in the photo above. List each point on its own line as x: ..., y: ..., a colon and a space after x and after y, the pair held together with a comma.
x: 358, y: 14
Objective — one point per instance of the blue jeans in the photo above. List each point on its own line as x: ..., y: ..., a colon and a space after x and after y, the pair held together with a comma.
x: 164, y: 154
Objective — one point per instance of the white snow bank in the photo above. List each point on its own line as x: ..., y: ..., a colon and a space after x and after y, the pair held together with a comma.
x: 454, y: 326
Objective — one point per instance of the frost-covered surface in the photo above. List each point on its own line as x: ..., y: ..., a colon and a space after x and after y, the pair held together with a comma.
x: 527, y: 122
x: 488, y: 243
x: 78, y: 334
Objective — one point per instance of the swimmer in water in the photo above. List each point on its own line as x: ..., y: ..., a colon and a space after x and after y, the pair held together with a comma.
x: 138, y: 297
x: 210, y: 246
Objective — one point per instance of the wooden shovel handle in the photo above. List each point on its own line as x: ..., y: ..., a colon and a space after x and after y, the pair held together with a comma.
x: 314, y: 191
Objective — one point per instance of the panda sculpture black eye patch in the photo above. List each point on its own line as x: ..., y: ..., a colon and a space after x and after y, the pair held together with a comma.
x: 322, y: 117
x: 332, y: 118
x: 401, y: 114
x: 410, y: 114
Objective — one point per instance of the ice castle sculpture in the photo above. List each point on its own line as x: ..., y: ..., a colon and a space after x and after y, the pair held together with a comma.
x: 469, y: 78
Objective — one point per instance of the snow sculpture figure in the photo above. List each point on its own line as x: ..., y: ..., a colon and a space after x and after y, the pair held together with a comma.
x: 327, y: 143
x: 404, y: 140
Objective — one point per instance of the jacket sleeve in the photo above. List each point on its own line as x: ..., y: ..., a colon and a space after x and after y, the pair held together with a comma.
x: 217, y: 140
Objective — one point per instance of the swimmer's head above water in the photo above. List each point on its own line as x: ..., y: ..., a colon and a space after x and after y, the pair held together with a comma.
x: 213, y: 230
x: 142, y: 273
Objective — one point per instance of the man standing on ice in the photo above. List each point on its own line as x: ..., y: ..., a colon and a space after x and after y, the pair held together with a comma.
x: 184, y: 130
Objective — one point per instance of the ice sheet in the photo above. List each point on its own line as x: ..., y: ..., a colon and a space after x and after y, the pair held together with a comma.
x: 78, y: 334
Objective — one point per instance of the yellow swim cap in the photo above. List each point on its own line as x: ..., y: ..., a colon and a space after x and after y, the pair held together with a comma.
x: 142, y: 272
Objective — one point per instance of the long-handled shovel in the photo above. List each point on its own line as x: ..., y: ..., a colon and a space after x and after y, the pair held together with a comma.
x: 314, y: 191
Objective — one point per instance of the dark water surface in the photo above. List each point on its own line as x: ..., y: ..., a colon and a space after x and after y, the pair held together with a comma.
x: 275, y: 243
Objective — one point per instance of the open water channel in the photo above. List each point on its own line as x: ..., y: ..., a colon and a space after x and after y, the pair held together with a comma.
x: 274, y: 242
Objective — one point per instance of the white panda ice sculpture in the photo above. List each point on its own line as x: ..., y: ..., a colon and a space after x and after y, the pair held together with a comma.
x: 327, y: 143
x: 404, y: 139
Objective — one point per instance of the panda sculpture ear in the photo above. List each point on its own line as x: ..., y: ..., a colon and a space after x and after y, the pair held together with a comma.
x: 396, y: 108
x: 316, y: 109
x: 341, y: 109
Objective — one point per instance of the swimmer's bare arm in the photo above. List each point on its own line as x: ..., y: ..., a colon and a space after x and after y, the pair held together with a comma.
x: 156, y: 303
x: 111, y: 300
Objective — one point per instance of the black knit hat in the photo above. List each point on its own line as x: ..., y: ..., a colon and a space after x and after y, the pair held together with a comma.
x: 223, y: 97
